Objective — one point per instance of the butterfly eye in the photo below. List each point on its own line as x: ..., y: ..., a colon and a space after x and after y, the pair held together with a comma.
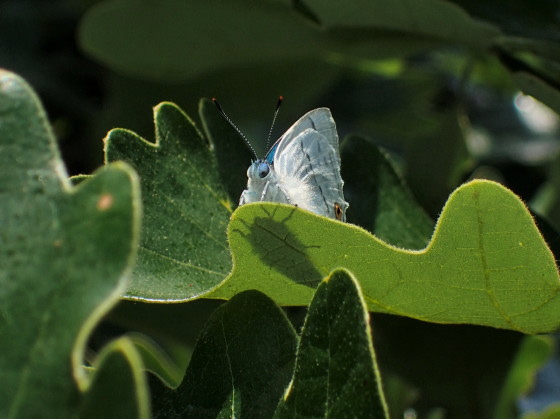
x: 338, y: 211
x: 264, y: 168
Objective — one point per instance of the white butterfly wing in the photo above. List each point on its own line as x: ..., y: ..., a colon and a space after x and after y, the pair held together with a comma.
x: 304, y: 168
x: 319, y: 120
x: 307, y: 166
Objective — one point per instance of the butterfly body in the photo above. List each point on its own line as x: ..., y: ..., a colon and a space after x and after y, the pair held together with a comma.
x: 302, y: 168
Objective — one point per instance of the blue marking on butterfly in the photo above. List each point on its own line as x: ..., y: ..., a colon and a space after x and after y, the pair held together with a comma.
x: 302, y: 168
x: 270, y: 155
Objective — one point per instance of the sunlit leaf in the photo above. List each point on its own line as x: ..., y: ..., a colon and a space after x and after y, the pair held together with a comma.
x: 486, y: 264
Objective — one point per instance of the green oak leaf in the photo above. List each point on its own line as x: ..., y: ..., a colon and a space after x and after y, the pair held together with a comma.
x: 462, y: 368
x: 156, y: 359
x: 232, y: 153
x: 448, y: 166
x: 150, y: 42
x: 336, y: 374
x: 533, y: 353
x: 127, y: 35
x: 546, y: 201
x: 486, y: 264
x: 550, y: 412
x: 531, y: 20
x: 381, y: 201
x: 65, y: 253
x: 166, y: 346
x: 420, y: 18
x: 118, y: 387
x: 241, y: 364
x: 183, y: 250
x: 539, y: 88
x: 533, y: 66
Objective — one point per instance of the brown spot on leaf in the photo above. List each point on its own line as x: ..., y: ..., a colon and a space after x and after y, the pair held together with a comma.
x: 105, y: 202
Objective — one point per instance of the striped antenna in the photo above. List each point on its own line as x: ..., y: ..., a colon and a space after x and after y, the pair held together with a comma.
x: 280, y: 99
x: 234, y: 126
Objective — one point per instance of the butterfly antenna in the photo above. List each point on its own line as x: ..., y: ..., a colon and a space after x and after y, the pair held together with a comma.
x: 280, y: 99
x: 234, y: 126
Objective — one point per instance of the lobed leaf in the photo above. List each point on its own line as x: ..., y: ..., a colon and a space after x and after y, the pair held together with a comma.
x: 231, y: 152
x: 65, y: 253
x: 336, y: 374
x: 183, y: 250
x: 241, y: 364
x: 118, y: 387
x: 448, y: 166
x: 486, y: 264
x: 381, y: 201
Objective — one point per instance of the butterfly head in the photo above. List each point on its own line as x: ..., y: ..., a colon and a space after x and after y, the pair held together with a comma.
x: 260, y: 171
x: 263, y: 169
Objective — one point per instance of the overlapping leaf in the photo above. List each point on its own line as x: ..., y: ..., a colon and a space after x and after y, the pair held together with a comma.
x: 534, y: 86
x: 533, y: 353
x: 245, y: 357
x: 381, y: 201
x: 127, y: 34
x: 452, y: 368
x: 65, y: 253
x: 336, y: 373
x: 183, y: 250
x: 241, y: 365
x: 181, y: 188
x: 534, y: 20
x: 118, y: 388
x: 424, y: 18
x: 231, y: 152
x: 486, y: 264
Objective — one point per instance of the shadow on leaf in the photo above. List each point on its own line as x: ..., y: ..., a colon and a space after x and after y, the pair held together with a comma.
x: 280, y: 249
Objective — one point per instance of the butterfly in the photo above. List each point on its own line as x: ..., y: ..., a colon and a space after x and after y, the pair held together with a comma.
x: 302, y: 168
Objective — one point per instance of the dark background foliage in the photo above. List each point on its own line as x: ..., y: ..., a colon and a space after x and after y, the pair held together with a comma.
x: 393, y: 101
x: 439, y: 85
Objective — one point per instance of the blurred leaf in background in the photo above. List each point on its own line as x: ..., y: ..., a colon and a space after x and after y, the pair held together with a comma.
x: 451, y: 90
